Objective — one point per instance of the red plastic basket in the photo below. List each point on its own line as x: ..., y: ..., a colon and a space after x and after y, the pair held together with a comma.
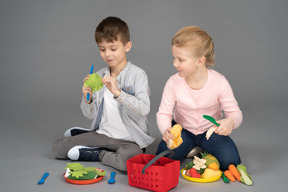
x: 154, y: 173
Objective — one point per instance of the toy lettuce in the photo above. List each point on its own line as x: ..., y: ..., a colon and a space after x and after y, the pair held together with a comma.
x: 94, y: 82
x: 76, y: 171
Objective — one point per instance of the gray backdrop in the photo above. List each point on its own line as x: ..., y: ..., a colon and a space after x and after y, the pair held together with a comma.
x: 47, y: 47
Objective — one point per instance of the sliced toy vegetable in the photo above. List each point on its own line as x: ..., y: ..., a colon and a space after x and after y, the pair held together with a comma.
x: 187, y: 172
x: 209, y: 173
x: 199, y: 163
x: 200, y: 180
x: 245, y: 177
x: 79, y: 172
x: 87, y: 176
x: 194, y: 173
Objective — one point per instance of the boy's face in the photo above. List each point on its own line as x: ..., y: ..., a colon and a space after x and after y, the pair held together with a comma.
x: 114, y: 54
x: 184, y: 61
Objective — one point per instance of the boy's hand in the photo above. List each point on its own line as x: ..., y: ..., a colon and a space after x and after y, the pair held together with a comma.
x: 111, y: 84
x: 86, y: 90
x: 226, y: 126
x: 167, y: 135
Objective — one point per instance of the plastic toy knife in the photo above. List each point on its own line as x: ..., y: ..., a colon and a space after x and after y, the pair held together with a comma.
x: 212, y: 129
x: 91, y: 71
x: 209, y: 118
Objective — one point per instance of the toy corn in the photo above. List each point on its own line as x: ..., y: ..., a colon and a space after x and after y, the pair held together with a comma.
x: 177, y: 139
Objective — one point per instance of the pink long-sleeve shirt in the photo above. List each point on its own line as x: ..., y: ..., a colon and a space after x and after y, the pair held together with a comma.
x: 187, y: 106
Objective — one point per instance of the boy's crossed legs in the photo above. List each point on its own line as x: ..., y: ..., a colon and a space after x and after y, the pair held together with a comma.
x: 112, y: 152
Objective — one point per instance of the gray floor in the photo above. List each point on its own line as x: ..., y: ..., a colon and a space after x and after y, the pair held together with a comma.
x: 47, y: 47
x: 26, y: 154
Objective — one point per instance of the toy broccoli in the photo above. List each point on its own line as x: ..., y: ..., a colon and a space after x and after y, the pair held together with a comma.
x: 94, y: 82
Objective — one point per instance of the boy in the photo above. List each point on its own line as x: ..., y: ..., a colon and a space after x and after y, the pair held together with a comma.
x: 119, y: 128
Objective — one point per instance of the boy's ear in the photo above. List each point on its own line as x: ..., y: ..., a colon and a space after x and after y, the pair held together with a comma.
x: 128, y: 46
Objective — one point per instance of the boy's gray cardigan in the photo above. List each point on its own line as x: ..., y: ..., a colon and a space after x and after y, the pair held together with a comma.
x: 133, y: 103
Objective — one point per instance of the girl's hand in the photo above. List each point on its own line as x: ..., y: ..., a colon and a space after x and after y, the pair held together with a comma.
x: 111, y: 84
x: 86, y: 90
x: 226, y: 126
x: 167, y: 135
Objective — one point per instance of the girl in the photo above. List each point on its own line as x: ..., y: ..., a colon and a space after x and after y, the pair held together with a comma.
x: 197, y: 90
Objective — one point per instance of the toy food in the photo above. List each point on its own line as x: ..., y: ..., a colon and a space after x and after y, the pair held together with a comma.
x: 245, y: 178
x: 193, y: 172
x: 225, y: 179
x: 210, y: 132
x: 206, y: 169
x: 78, y: 174
x: 234, y: 171
x: 229, y: 175
x: 211, y: 161
x: 198, y: 163
x: 198, y: 171
x: 208, y: 173
x: 177, y: 139
x: 94, y: 82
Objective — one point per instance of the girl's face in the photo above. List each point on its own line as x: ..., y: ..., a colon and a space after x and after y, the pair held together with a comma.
x: 114, y: 54
x: 184, y: 62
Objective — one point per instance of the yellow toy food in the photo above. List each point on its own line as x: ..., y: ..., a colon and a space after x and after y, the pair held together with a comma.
x: 211, y: 161
x: 177, y: 139
x: 209, y: 173
x: 207, y: 167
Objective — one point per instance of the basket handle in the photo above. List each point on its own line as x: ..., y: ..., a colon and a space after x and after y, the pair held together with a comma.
x: 162, y: 154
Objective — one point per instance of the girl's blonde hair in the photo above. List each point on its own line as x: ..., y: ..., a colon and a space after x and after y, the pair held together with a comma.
x: 198, y: 41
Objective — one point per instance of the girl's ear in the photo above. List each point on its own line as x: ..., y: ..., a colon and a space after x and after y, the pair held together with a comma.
x: 202, y: 60
x: 128, y: 46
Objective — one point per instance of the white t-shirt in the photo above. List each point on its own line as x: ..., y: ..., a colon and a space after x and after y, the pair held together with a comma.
x: 111, y: 122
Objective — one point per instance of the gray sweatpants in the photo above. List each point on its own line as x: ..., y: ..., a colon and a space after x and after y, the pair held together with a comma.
x: 119, y: 151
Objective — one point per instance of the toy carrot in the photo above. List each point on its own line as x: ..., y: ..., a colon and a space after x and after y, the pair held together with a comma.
x: 229, y: 175
x: 235, y: 172
x: 225, y: 179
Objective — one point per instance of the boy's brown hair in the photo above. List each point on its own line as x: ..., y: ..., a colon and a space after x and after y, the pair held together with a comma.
x: 112, y: 28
